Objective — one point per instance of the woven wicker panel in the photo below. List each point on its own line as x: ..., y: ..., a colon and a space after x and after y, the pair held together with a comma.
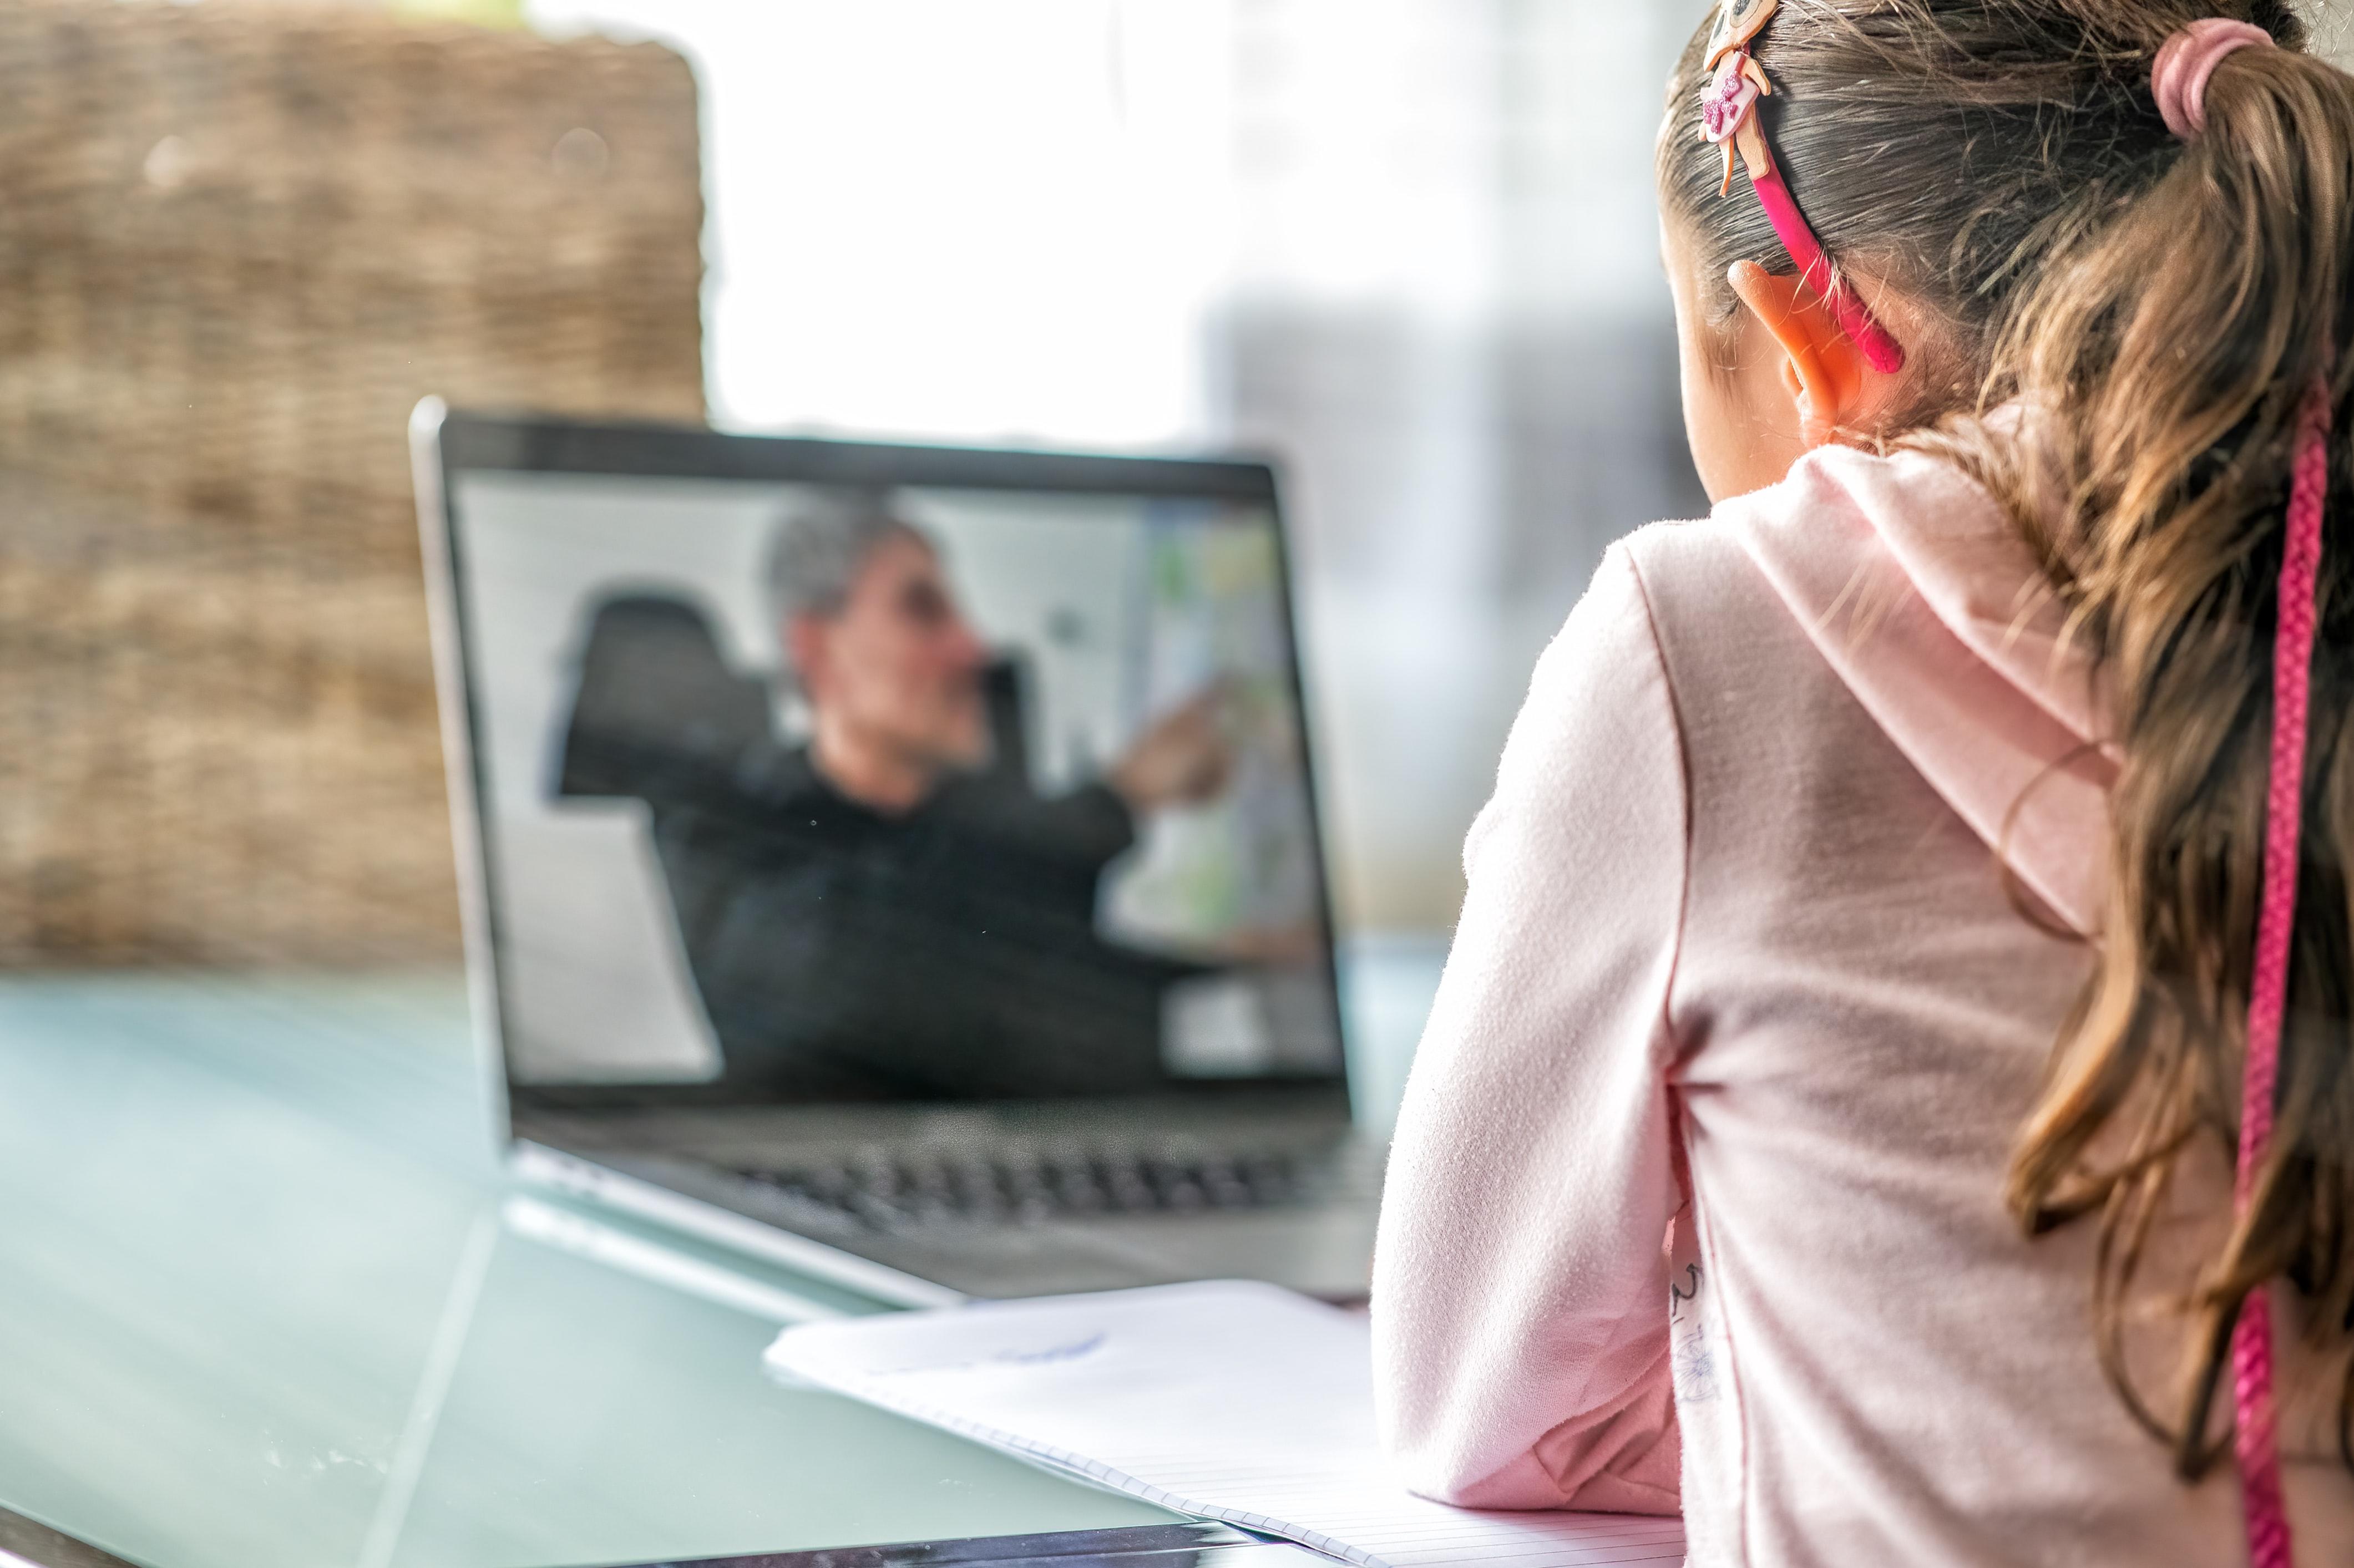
x: 237, y: 244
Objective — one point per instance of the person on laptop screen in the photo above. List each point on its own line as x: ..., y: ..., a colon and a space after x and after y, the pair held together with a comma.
x: 890, y: 908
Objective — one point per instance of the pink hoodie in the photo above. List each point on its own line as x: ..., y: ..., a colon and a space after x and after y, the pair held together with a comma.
x: 1736, y: 929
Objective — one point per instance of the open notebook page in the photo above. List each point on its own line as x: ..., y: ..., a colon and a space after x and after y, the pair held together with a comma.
x: 1227, y: 1400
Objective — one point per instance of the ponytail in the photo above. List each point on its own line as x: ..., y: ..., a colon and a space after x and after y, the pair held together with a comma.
x: 2170, y: 357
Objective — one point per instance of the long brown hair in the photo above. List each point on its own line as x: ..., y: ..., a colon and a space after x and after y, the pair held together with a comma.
x: 2158, y: 307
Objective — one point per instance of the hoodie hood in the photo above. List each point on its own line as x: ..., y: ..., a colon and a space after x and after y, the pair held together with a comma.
x: 1913, y: 583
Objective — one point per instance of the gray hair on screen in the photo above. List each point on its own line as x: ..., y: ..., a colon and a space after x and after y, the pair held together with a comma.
x: 822, y: 543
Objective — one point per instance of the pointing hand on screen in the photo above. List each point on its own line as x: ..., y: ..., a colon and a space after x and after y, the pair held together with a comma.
x: 1182, y: 759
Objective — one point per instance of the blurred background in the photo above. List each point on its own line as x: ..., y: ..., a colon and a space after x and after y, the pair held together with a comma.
x: 1404, y: 246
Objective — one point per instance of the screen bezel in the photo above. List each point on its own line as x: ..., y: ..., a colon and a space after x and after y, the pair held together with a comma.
x: 471, y: 443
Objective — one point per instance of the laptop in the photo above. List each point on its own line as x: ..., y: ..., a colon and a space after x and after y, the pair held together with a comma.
x: 900, y: 862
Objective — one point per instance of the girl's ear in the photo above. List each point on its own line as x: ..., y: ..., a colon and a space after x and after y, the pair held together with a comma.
x: 1826, y: 375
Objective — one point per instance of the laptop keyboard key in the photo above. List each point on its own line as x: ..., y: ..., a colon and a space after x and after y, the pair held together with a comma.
x: 887, y: 1194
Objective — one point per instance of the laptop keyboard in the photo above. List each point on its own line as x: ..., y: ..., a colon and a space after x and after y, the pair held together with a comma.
x: 889, y: 1191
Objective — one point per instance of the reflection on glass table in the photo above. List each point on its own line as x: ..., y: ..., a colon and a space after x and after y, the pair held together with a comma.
x: 266, y: 1298
x: 1198, y: 1544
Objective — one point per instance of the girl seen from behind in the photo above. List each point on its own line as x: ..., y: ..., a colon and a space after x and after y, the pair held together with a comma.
x: 1897, y: 1060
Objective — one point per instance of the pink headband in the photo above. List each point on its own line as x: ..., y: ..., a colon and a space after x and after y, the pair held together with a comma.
x: 2186, y: 59
x: 2178, y: 82
x: 1729, y: 119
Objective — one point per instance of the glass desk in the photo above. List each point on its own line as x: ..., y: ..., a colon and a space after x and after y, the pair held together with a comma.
x: 268, y: 1302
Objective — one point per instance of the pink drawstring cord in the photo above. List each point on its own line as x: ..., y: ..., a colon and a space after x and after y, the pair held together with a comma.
x: 2256, y: 1440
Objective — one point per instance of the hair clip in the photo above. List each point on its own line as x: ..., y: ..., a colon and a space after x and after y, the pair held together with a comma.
x: 1729, y: 119
x: 1737, y: 22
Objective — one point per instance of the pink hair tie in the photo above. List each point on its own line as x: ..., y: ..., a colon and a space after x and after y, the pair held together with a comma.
x: 2188, y: 58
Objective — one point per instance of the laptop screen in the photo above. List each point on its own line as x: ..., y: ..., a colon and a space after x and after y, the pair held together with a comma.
x: 810, y: 780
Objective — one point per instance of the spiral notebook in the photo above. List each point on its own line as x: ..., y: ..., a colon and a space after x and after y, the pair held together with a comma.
x: 1226, y: 1400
